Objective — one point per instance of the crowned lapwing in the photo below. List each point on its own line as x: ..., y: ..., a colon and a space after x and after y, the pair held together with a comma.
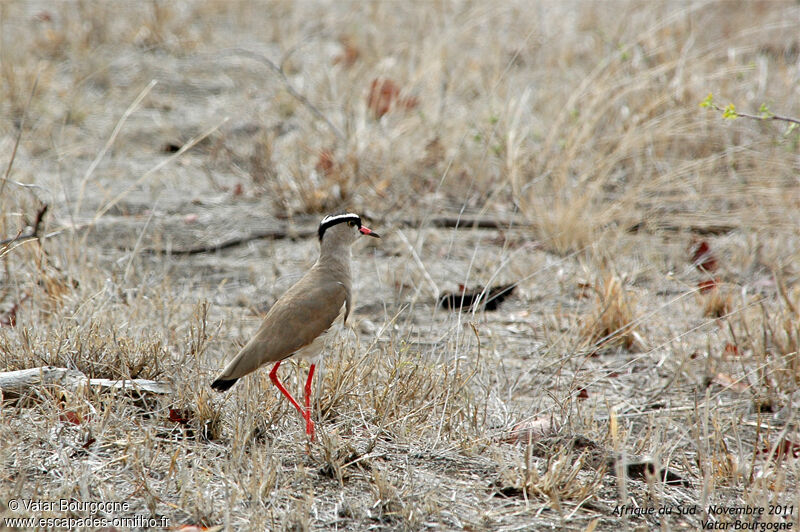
x: 299, y: 321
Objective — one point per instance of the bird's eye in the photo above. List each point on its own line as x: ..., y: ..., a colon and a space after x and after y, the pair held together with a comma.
x: 351, y: 224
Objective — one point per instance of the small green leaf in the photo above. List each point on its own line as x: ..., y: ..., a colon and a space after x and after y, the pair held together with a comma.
x: 494, y: 119
x: 765, y: 112
x: 730, y: 112
x: 708, y: 102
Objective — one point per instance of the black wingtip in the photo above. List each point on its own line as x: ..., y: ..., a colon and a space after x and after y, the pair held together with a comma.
x: 223, y: 385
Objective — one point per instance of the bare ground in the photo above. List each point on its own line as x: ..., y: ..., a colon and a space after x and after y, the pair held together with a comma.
x: 624, y: 350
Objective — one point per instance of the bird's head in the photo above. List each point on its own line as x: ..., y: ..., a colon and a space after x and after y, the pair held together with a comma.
x: 342, y: 229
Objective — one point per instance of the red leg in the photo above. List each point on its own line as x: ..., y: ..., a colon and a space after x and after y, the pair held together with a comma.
x: 309, y: 423
x: 273, y: 375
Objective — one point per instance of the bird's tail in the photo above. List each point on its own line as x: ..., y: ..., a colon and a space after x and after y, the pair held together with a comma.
x: 223, y: 385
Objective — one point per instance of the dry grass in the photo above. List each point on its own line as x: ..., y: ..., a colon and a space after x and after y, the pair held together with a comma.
x: 612, y: 322
x: 581, y: 127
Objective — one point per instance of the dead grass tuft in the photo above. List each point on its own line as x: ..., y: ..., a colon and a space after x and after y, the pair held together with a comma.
x: 612, y: 322
x: 564, y: 478
x: 767, y: 343
x: 715, y: 300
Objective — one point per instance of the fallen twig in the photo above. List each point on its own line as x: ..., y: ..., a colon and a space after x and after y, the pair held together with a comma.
x: 446, y: 222
x: 703, y: 230
x: 476, y: 223
x: 273, y: 234
x: 15, y: 384
x: 286, y: 232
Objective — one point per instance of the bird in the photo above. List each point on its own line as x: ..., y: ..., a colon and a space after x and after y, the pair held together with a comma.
x: 300, y: 320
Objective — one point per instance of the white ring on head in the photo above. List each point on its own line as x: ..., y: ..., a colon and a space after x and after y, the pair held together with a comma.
x: 335, y: 219
x: 345, y: 216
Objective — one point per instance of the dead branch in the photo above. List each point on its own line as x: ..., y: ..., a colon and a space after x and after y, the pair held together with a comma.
x: 450, y: 222
x: 443, y: 222
x: 273, y: 234
x: 703, y: 230
x: 286, y: 232
x: 15, y: 384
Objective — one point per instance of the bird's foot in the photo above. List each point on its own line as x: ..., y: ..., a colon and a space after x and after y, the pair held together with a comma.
x: 309, y: 425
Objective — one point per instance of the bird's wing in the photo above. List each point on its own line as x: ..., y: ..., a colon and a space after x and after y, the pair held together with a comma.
x: 304, y: 312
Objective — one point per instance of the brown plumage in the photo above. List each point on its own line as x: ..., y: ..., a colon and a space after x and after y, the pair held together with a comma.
x: 298, y: 318
x: 296, y: 324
